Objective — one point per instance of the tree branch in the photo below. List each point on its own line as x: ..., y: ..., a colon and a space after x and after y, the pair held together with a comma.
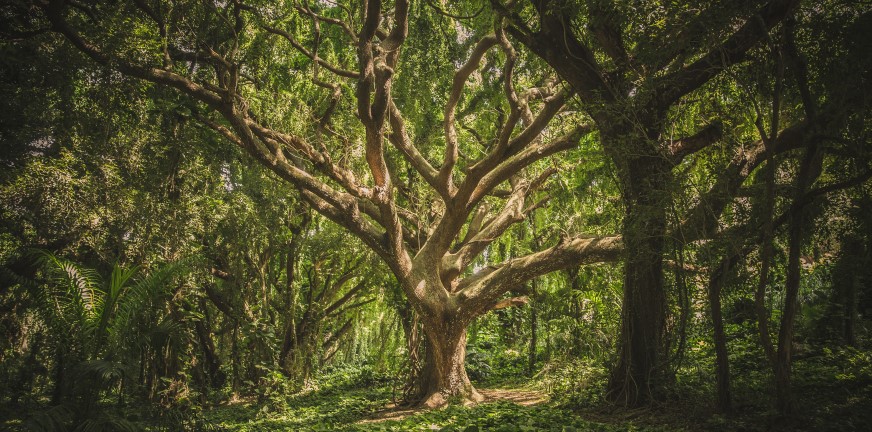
x: 683, y: 147
x: 481, y: 289
x: 299, y: 47
x: 460, y: 77
x: 673, y: 86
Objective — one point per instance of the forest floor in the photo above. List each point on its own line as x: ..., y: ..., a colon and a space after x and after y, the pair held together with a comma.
x: 833, y: 393
x: 371, y: 409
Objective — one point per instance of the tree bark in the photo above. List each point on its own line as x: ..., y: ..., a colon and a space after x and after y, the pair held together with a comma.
x: 58, y: 391
x: 852, y: 311
x: 809, y: 171
x: 641, y: 363
x: 635, y: 377
x: 444, y: 370
x: 783, y: 391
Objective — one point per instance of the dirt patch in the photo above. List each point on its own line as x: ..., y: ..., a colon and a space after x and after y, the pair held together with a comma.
x: 520, y: 397
x: 516, y: 396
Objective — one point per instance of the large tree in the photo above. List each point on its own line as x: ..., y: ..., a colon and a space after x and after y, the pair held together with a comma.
x: 428, y: 203
x: 634, y: 66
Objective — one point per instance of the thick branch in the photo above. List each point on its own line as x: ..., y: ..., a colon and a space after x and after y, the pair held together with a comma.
x: 525, y: 158
x: 680, y: 149
x: 673, y: 86
x: 400, y: 139
x: 54, y: 12
x: 483, y: 288
x: 510, y: 302
x: 556, y: 43
x: 702, y: 220
x: 344, y: 299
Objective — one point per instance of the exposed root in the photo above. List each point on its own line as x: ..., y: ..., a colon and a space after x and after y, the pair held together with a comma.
x: 439, y: 400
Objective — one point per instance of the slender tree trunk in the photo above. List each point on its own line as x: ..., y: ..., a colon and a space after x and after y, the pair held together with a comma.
x: 531, y: 365
x: 851, y: 311
x: 766, y: 253
x: 846, y: 282
x: 547, y: 342
x: 297, y: 228
x: 572, y: 275
x: 59, y: 378
x: 234, y: 363
x: 722, y: 361
x: 783, y: 391
x: 210, y: 359
x: 151, y: 375
x: 809, y: 171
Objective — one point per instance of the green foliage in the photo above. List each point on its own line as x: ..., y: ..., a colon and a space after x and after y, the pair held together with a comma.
x: 574, y: 382
x: 854, y: 366
x: 499, y: 416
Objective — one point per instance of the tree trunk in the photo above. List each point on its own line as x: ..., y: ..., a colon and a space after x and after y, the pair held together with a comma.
x: 640, y: 366
x: 531, y: 365
x: 783, y: 392
x: 57, y: 395
x: 844, y: 303
x: 236, y: 381
x: 645, y: 177
x: 809, y: 171
x: 851, y: 311
x: 210, y: 359
x: 572, y: 275
x: 722, y: 361
x: 444, y: 370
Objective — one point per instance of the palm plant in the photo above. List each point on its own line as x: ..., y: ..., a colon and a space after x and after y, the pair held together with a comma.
x: 98, y: 327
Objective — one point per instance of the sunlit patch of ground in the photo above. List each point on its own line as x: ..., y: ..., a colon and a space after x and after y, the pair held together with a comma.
x: 516, y: 396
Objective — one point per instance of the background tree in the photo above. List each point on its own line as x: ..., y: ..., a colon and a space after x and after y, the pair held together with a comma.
x: 636, y: 70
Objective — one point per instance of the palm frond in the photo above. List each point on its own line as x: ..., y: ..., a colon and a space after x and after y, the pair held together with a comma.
x: 141, y: 301
x: 74, y: 289
x: 105, y: 371
x: 54, y: 419
x: 114, y: 291
x: 107, y: 423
